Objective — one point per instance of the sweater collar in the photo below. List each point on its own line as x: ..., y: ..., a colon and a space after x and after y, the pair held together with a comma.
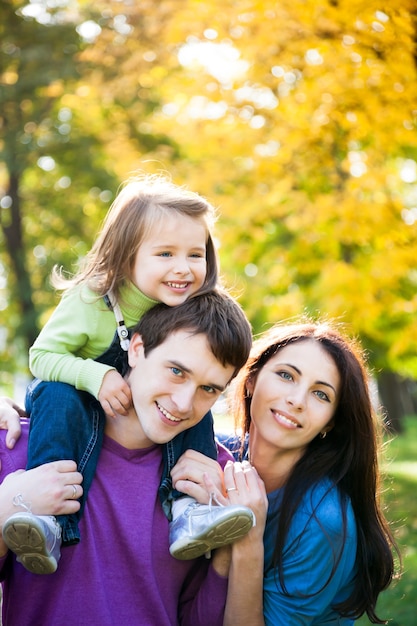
x: 134, y: 303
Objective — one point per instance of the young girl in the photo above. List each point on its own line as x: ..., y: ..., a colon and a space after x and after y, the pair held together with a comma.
x: 155, y: 246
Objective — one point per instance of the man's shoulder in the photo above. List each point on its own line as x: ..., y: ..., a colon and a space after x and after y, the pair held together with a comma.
x: 12, y: 460
x: 223, y: 454
x: 233, y: 443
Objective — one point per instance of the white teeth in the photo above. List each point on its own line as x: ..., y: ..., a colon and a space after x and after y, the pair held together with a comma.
x: 177, y: 285
x: 168, y: 415
x: 286, y: 419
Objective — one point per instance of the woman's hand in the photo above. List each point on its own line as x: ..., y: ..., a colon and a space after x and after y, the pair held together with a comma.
x: 10, y: 414
x: 244, y: 486
x: 190, y: 472
x: 245, y: 593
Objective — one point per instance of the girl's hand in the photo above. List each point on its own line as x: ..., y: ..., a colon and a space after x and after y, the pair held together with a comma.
x: 10, y: 414
x: 190, y: 472
x: 115, y: 396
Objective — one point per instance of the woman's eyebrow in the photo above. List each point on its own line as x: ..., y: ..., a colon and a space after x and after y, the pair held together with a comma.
x: 318, y: 382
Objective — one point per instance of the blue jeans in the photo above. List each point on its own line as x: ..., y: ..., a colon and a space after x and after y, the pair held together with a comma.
x: 69, y: 424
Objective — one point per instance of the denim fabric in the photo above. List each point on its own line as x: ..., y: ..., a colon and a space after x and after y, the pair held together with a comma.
x: 200, y: 438
x: 65, y: 424
x: 69, y: 424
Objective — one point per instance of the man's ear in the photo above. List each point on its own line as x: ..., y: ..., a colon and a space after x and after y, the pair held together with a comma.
x: 135, y: 349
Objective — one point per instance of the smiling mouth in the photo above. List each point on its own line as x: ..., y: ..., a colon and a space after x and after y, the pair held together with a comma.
x: 167, y: 414
x: 287, y: 420
x: 178, y: 285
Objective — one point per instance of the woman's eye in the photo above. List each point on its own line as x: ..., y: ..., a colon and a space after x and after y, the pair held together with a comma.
x: 176, y: 371
x: 322, y: 395
x: 164, y: 254
x: 285, y: 375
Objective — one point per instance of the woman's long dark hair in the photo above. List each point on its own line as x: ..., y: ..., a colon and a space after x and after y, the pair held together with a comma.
x: 348, y: 457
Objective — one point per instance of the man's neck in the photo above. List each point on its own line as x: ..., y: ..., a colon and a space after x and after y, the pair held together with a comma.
x: 126, y: 430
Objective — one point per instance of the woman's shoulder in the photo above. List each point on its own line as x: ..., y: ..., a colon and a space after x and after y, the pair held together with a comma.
x: 326, y: 505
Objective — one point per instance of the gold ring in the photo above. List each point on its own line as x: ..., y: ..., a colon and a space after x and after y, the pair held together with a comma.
x: 74, y: 492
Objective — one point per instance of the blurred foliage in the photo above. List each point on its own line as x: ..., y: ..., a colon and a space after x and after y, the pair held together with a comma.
x: 397, y: 604
x: 296, y: 119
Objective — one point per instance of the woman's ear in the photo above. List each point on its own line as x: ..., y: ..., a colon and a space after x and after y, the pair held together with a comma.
x: 249, y: 387
x: 329, y: 426
x: 135, y: 349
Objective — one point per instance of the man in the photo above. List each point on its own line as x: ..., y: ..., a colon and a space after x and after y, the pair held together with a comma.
x: 181, y: 359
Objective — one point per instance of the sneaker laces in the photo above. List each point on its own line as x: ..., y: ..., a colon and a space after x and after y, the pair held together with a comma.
x: 213, y: 497
x: 18, y: 501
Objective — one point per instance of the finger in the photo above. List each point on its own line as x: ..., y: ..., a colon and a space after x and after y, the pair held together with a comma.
x: 65, y: 466
x: 194, y: 490
x: 108, y: 409
x: 213, y: 490
x: 12, y: 436
x: 75, y: 492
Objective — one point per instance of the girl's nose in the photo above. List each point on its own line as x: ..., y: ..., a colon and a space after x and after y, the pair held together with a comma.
x: 181, y: 266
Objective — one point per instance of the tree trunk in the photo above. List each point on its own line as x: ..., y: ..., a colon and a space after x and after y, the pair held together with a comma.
x: 397, y: 399
x: 13, y: 235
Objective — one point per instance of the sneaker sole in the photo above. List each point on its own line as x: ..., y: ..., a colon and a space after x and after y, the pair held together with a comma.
x: 27, y: 541
x: 221, y: 534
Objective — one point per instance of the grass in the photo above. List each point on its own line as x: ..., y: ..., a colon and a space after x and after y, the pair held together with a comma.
x: 398, y: 603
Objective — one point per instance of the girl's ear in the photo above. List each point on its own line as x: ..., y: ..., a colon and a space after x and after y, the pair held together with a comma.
x: 135, y: 349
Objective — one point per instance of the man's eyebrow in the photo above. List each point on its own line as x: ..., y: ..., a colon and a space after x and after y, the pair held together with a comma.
x: 180, y: 366
x: 318, y: 382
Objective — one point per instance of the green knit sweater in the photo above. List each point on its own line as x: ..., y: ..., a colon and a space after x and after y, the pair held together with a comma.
x: 80, y: 329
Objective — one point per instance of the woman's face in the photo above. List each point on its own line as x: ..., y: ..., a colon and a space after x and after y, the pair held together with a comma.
x: 295, y: 396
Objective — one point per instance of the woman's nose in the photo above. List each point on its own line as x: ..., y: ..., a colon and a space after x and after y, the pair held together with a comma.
x: 296, y: 398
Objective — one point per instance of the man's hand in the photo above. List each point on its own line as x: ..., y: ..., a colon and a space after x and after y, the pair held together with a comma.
x: 10, y: 414
x: 50, y: 489
x: 115, y: 395
x: 190, y: 472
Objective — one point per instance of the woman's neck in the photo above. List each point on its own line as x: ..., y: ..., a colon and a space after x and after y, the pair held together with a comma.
x: 273, y: 464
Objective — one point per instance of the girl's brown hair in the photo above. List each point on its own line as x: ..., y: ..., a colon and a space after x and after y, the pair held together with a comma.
x: 142, y: 202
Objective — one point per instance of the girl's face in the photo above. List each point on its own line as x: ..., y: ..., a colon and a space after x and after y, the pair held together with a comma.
x: 294, y: 397
x: 170, y: 264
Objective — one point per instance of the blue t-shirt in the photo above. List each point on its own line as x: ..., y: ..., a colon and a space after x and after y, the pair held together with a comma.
x: 314, y: 547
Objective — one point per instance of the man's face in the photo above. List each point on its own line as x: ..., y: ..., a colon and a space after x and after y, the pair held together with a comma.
x: 175, y: 385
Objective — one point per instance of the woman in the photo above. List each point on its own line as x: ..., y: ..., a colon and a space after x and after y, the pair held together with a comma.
x: 302, y: 402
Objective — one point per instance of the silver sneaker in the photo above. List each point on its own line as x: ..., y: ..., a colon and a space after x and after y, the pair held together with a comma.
x: 35, y: 539
x: 203, y: 527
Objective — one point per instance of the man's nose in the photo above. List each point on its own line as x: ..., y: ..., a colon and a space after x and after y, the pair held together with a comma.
x: 183, y: 398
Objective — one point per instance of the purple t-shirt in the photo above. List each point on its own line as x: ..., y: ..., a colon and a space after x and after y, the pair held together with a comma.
x: 121, y: 572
